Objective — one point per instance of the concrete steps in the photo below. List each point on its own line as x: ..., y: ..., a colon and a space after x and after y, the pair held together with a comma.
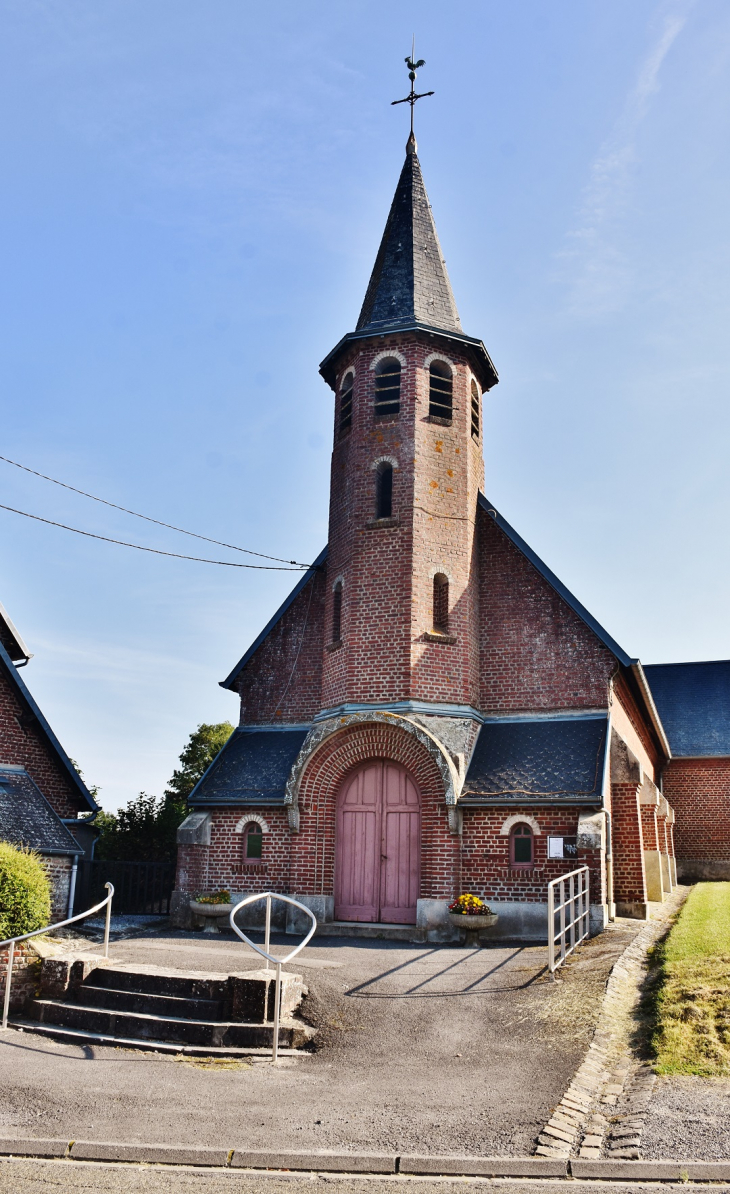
x: 367, y: 929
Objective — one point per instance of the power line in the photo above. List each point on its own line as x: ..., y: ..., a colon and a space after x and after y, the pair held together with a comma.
x: 156, y: 551
x: 146, y: 517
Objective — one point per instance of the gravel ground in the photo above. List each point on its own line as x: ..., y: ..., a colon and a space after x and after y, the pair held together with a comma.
x: 689, y: 1119
x: 420, y: 1049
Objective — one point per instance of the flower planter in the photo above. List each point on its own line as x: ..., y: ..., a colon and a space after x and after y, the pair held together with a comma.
x: 472, y: 925
x: 212, y: 914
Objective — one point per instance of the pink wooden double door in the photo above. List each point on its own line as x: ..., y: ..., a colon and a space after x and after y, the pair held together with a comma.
x: 378, y: 845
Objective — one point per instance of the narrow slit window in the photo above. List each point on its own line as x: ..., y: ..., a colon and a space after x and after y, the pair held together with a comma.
x: 337, y: 613
x: 253, y: 840
x: 441, y: 603
x: 475, y: 409
x: 384, y: 491
x: 441, y: 391
x: 387, y: 387
x: 521, y: 851
x: 346, y: 404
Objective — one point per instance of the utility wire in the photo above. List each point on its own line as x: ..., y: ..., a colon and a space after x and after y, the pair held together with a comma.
x: 176, y: 555
x: 157, y: 522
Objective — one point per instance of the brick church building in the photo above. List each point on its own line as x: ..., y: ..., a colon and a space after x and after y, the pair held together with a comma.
x: 431, y: 711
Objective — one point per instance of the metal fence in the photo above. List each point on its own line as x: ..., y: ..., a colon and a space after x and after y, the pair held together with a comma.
x: 139, y: 887
x: 568, y: 915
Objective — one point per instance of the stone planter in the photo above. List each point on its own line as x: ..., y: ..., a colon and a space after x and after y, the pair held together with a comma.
x: 212, y: 914
x: 472, y: 925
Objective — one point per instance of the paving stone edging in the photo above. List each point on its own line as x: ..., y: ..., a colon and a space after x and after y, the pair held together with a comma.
x: 587, y: 1120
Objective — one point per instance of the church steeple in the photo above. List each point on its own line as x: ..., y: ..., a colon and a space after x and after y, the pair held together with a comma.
x: 409, y: 285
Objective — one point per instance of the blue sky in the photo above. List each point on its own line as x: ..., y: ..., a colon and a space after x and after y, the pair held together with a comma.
x: 193, y: 197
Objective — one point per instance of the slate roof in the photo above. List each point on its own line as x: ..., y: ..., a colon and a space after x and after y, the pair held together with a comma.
x: 252, y: 768
x: 11, y: 640
x: 693, y: 700
x: 532, y: 759
x: 27, y: 819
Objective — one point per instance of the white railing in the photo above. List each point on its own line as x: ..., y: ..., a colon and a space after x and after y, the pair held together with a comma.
x: 278, y: 962
x: 568, y: 901
x: 13, y: 941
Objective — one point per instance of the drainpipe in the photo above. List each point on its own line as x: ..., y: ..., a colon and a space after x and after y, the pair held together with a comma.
x: 72, y: 886
x: 609, y: 866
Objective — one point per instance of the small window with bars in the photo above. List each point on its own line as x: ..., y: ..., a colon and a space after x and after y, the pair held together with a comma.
x: 384, y: 490
x: 346, y: 403
x: 337, y: 613
x: 441, y: 391
x: 521, y: 851
x: 253, y: 841
x: 441, y: 603
x: 387, y: 387
x: 475, y: 409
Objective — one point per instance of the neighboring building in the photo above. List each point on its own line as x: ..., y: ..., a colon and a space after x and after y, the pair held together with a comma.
x: 42, y: 795
x: 430, y: 711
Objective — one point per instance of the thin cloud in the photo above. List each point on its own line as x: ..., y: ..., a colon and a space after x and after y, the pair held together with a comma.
x: 600, y: 272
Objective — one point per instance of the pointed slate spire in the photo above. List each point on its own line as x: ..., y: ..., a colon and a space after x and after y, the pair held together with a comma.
x: 409, y: 283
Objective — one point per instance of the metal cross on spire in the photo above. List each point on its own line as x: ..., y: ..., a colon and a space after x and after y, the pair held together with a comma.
x: 413, y: 66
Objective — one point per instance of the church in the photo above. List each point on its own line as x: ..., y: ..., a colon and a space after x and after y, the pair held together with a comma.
x: 431, y: 711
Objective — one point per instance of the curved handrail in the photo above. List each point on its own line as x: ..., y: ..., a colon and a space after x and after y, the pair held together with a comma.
x: 278, y: 962
x: 13, y: 941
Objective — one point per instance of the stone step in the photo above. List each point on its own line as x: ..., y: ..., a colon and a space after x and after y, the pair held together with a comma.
x: 349, y: 928
x: 91, y: 995
x: 74, y: 1036
x: 157, y: 980
x: 146, y: 1027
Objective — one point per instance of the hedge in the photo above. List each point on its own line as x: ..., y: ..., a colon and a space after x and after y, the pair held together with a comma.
x: 25, y: 892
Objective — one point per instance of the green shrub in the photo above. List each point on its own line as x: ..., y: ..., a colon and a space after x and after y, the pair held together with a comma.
x: 25, y: 892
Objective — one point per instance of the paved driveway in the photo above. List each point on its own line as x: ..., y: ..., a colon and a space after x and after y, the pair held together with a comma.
x: 420, y: 1048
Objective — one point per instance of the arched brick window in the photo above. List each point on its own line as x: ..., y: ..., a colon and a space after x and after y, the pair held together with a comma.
x: 441, y: 391
x: 384, y: 490
x: 387, y: 386
x: 337, y: 613
x: 253, y: 840
x: 441, y: 603
x: 346, y: 403
x: 521, y: 845
x: 474, y: 409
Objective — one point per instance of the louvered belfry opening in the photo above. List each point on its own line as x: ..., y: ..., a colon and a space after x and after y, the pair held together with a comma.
x: 475, y: 409
x: 346, y: 404
x: 387, y: 387
x: 384, y: 491
x: 337, y: 613
x: 441, y: 603
x: 441, y: 391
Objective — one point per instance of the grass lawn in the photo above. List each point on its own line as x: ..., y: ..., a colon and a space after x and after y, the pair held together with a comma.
x: 692, y: 1001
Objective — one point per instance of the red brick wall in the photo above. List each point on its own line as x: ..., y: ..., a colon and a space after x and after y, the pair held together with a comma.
x: 650, y: 829
x: 536, y: 652
x: 58, y: 868
x: 22, y: 746
x: 699, y: 792
x: 629, y: 876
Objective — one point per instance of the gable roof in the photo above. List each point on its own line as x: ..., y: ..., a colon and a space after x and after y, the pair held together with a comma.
x: 694, y: 703
x: 11, y: 640
x: 26, y: 817
x: 308, y: 575
x: 45, y: 731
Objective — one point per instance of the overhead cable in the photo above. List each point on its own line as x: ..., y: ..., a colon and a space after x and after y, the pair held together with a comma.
x: 146, y: 517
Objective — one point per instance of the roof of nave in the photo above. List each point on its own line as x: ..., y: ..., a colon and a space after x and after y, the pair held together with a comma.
x: 26, y: 817
x: 252, y: 767
x: 693, y: 700
x: 527, y: 759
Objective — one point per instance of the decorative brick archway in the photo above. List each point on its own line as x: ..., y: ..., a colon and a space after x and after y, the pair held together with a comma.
x: 313, y: 848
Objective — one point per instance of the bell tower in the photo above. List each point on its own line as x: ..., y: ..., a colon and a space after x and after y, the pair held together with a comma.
x: 407, y: 466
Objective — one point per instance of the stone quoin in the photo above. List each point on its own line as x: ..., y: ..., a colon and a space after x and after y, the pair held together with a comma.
x: 431, y: 711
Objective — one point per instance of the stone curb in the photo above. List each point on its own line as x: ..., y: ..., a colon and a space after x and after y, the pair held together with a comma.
x: 150, y: 1154
x: 16, y: 1147
x: 484, y: 1166
x: 321, y: 1162
x: 647, y: 1171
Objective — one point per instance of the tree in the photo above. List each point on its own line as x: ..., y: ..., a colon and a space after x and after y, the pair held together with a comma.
x: 202, y: 748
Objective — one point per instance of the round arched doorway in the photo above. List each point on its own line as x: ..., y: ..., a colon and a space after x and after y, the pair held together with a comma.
x: 378, y: 845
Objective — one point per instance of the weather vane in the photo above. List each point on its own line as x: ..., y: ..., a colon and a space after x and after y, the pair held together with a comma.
x: 413, y: 66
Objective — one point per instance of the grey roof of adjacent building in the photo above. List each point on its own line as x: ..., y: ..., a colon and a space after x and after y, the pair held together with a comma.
x: 252, y: 768
x: 528, y: 760
x: 37, y: 721
x: 693, y: 700
x: 26, y: 817
x: 11, y: 639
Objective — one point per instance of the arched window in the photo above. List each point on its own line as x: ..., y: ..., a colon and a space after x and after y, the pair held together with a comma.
x: 387, y: 386
x: 520, y: 845
x: 253, y: 840
x: 384, y: 490
x: 441, y: 603
x: 337, y: 612
x: 441, y: 391
x: 474, y: 409
x: 346, y: 403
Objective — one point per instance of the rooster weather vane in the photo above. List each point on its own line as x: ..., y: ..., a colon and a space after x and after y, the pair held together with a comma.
x: 413, y: 66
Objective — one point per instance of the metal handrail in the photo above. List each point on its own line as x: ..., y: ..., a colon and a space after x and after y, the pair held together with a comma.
x: 278, y: 962
x: 576, y: 928
x: 13, y: 941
